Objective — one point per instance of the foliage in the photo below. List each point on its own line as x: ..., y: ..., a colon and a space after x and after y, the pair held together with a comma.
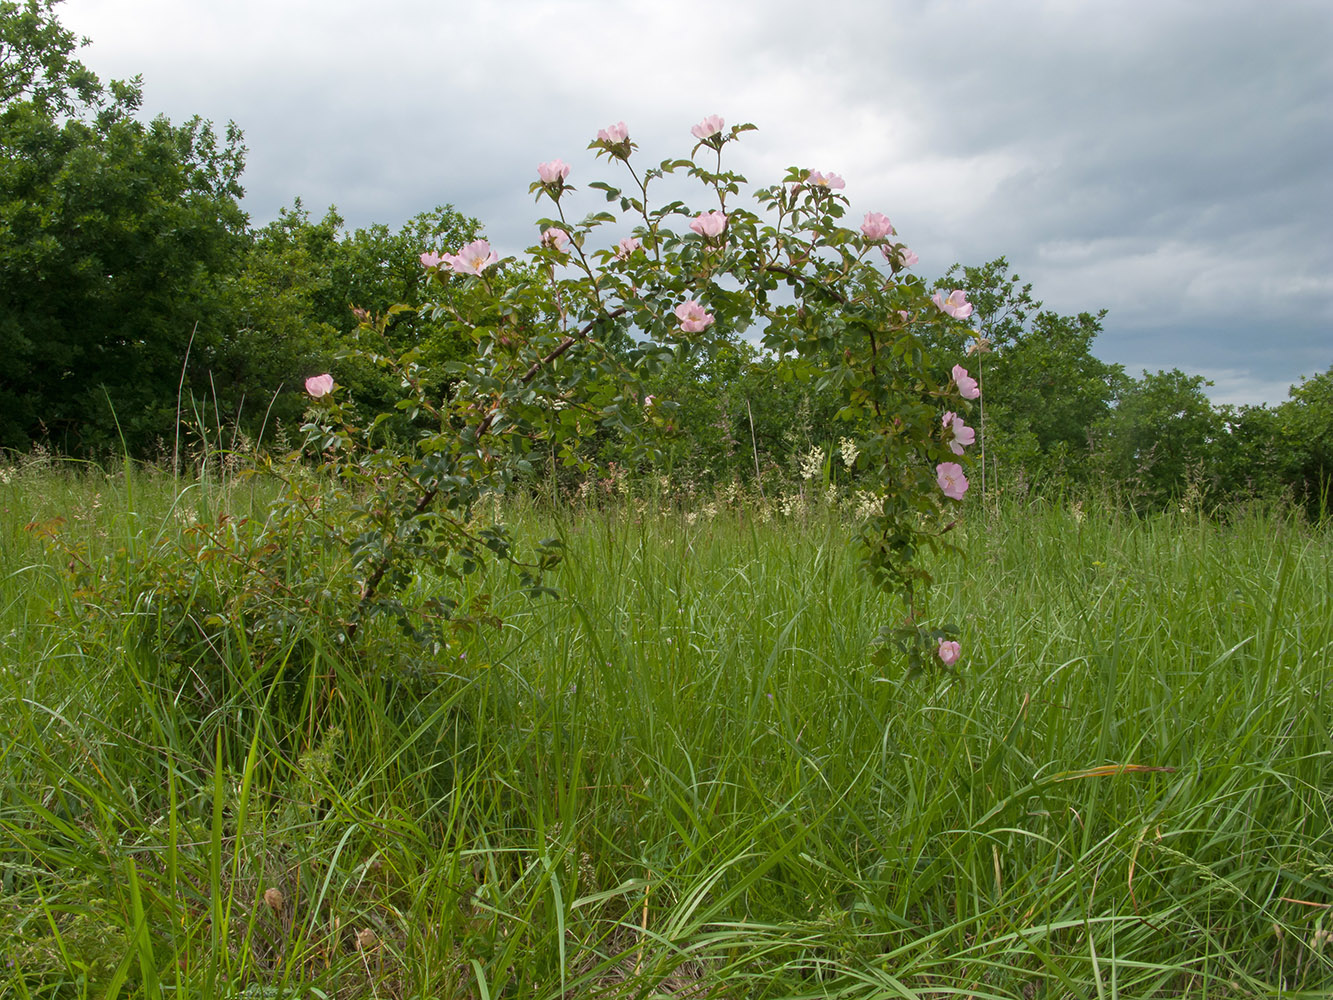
x: 1251, y: 458
x: 1044, y: 388
x: 740, y: 413
x: 1162, y: 432
x: 37, y: 61
x: 295, y: 301
x: 400, y: 516
x: 1306, y: 427
x: 561, y: 348
x: 114, y: 238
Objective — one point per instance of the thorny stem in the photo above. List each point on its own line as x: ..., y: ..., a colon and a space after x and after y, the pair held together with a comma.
x: 296, y: 491
x: 426, y: 499
x: 721, y: 195
x: 250, y: 565
x: 874, y: 353
x: 981, y: 407
x: 643, y: 208
x: 583, y: 258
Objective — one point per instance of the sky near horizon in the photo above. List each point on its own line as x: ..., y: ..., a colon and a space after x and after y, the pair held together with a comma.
x: 1170, y: 161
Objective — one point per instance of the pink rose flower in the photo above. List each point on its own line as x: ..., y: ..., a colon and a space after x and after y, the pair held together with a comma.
x: 555, y: 237
x: 319, y: 385
x: 960, y: 435
x: 948, y: 652
x: 553, y: 172
x: 626, y: 247
x: 951, y: 479
x: 899, y: 256
x: 473, y: 258
x: 967, y: 385
x: 431, y: 259
x: 648, y: 401
x: 613, y: 134
x: 709, y: 127
x: 709, y: 223
x: 693, y: 317
x: 829, y: 180
x: 876, y: 226
x: 956, y: 305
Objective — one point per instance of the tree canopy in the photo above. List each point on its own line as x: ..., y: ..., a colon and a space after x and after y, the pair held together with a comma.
x: 115, y: 239
x: 132, y: 285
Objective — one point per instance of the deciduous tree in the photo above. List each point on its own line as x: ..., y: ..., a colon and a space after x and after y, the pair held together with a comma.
x: 115, y: 236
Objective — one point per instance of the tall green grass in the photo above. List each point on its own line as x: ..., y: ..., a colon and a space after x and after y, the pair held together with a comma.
x: 685, y: 777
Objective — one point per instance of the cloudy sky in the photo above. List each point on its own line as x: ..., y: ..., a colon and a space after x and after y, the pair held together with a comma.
x: 1170, y: 161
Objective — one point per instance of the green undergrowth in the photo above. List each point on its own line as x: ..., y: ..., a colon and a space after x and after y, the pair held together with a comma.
x: 683, y: 778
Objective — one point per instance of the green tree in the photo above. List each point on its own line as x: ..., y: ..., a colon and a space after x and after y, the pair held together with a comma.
x: 1046, y: 391
x: 1251, y: 459
x: 1305, y: 421
x: 1043, y: 389
x: 296, y: 298
x: 277, y: 335
x: 37, y: 61
x: 1161, y: 438
x: 115, y: 239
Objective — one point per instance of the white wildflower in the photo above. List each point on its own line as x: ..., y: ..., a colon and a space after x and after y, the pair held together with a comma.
x: 849, y: 451
x: 813, y: 463
x: 867, y: 504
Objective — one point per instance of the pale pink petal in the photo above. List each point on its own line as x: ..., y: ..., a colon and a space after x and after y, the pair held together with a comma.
x: 967, y: 385
x: 319, y: 385
x: 948, y: 651
x: 956, y: 304
x: 709, y: 127
x: 709, y: 223
x: 473, y: 258
x: 950, y: 477
x: 553, y: 172
x: 693, y: 317
x: 555, y: 237
x: 876, y: 226
x: 960, y: 435
x: 829, y: 180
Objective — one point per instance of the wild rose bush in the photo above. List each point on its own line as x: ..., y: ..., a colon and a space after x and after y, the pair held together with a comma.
x: 385, y: 526
x: 564, y: 336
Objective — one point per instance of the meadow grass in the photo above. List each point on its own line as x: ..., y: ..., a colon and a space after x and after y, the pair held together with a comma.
x: 684, y: 777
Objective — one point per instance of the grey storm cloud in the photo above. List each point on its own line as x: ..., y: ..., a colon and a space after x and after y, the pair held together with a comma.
x: 1168, y: 160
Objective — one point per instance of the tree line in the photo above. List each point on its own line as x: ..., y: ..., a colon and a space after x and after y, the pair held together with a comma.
x: 135, y: 296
